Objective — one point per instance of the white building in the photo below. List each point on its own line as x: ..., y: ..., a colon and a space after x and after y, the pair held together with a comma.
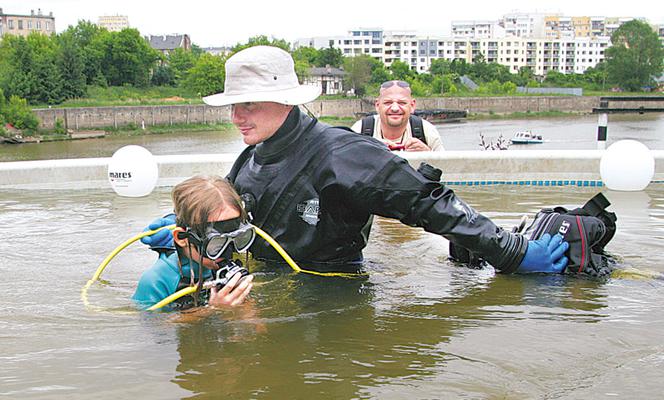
x: 113, y: 23
x: 477, y: 29
x: 523, y: 24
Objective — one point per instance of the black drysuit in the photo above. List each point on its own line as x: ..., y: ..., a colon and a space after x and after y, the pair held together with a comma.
x: 315, y: 188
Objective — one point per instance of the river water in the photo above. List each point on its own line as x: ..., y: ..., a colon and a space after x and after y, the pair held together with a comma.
x: 574, y: 133
x: 418, y: 327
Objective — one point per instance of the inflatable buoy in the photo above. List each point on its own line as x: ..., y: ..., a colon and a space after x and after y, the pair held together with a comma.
x: 133, y: 171
x: 627, y: 165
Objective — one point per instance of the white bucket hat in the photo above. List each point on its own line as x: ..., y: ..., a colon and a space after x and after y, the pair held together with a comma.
x: 262, y: 73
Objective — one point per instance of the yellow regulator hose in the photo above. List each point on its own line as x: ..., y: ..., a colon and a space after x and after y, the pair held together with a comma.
x: 107, y: 260
x: 294, y: 265
x: 192, y: 289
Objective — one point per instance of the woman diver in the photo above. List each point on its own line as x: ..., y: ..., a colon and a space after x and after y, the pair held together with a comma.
x: 211, y: 223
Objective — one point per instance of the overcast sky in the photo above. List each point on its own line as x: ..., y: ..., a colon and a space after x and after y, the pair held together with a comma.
x: 219, y: 23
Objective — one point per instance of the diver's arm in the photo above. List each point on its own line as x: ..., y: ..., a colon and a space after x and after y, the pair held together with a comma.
x: 384, y: 184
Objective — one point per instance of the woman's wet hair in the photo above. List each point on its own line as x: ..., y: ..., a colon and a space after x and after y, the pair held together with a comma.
x: 197, y: 197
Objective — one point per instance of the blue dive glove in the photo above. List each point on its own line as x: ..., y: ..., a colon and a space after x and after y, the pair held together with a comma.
x: 162, y: 240
x: 545, y: 255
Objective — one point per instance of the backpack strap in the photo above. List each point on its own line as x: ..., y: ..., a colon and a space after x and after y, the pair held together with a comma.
x: 417, y: 128
x: 368, y: 125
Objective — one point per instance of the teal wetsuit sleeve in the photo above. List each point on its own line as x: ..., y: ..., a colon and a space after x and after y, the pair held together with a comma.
x: 158, y: 282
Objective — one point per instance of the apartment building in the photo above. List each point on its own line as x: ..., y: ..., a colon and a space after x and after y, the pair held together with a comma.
x: 477, y: 29
x: 542, y: 42
x: 368, y: 41
x: 23, y: 25
x: 113, y: 23
x: 523, y: 24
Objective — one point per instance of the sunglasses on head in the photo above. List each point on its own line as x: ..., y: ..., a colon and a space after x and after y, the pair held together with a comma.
x: 220, y: 234
x: 389, y: 84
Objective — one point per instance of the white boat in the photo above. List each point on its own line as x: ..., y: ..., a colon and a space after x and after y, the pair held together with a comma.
x: 526, y: 137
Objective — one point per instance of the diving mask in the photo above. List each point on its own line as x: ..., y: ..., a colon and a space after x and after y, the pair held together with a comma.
x: 220, y: 234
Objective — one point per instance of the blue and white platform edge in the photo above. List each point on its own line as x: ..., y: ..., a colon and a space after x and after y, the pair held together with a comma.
x: 498, y: 167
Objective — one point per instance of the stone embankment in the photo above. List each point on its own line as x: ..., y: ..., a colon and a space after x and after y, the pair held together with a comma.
x: 107, y: 117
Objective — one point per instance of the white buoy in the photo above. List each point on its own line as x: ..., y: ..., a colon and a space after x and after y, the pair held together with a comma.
x: 133, y: 171
x: 627, y: 165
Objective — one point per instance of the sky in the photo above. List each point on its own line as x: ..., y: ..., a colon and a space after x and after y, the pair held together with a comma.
x: 226, y: 23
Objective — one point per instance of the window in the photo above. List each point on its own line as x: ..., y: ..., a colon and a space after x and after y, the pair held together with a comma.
x: 10, y: 24
x: 30, y: 24
x: 20, y: 24
x: 39, y: 25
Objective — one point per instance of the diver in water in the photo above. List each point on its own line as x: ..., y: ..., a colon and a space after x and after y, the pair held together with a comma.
x: 211, y: 224
x: 315, y: 188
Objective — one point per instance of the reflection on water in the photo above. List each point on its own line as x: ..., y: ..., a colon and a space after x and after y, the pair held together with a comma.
x: 418, y: 326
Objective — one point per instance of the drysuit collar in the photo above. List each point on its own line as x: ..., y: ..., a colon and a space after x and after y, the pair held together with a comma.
x: 274, y: 147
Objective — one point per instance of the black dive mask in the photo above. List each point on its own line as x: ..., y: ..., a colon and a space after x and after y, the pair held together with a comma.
x: 219, y: 235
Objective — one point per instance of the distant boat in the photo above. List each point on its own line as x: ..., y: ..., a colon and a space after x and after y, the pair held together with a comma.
x: 526, y: 137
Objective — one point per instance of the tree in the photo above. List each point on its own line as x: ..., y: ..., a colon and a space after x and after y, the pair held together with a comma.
x: 261, y: 40
x: 635, y: 56
x: 206, y: 76
x: 17, y: 62
x: 358, y: 73
x: 128, y: 58
x: 306, y: 54
x: 440, y: 66
x: 88, y: 37
x: 401, y: 71
x: 330, y: 56
x: 71, y: 65
x: 180, y: 61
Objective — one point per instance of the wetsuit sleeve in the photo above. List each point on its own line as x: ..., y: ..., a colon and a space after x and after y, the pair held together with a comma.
x: 156, y: 283
x: 386, y: 185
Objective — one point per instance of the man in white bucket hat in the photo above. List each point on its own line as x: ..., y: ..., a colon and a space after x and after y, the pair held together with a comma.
x: 315, y: 188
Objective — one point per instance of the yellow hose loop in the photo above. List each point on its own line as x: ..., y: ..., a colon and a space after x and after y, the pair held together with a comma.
x: 173, y: 297
x: 294, y: 265
x: 107, y: 260
x: 121, y: 247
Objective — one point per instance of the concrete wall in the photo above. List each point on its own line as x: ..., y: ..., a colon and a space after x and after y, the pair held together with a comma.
x: 113, y: 117
x: 102, y: 117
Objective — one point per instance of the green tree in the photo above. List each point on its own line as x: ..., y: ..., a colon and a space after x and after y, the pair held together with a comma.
x: 440, y: 67
x: 71, y: 66
x: 306, y: 54
x: 379, y: 73
x: 128, y: 58
x: 89, y: 38
x: 635, y: 56
x: 180, y: 61
x: 358, y: 73
x: 261, y: 40
x: 401, y: 71
x: 330, y: 56
x: 18, y: 69
x: 206, y: 76
x: 163, y: 75
x: 18, y: 113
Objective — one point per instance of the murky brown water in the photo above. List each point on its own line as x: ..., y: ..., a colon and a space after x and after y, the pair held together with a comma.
x: 418, y: 327
x: 575, y: 133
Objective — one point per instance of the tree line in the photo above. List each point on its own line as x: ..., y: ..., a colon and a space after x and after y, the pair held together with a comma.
x: 51, y: 69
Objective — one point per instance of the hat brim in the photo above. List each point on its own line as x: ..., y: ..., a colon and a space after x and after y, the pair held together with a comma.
x: 298, y: 95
